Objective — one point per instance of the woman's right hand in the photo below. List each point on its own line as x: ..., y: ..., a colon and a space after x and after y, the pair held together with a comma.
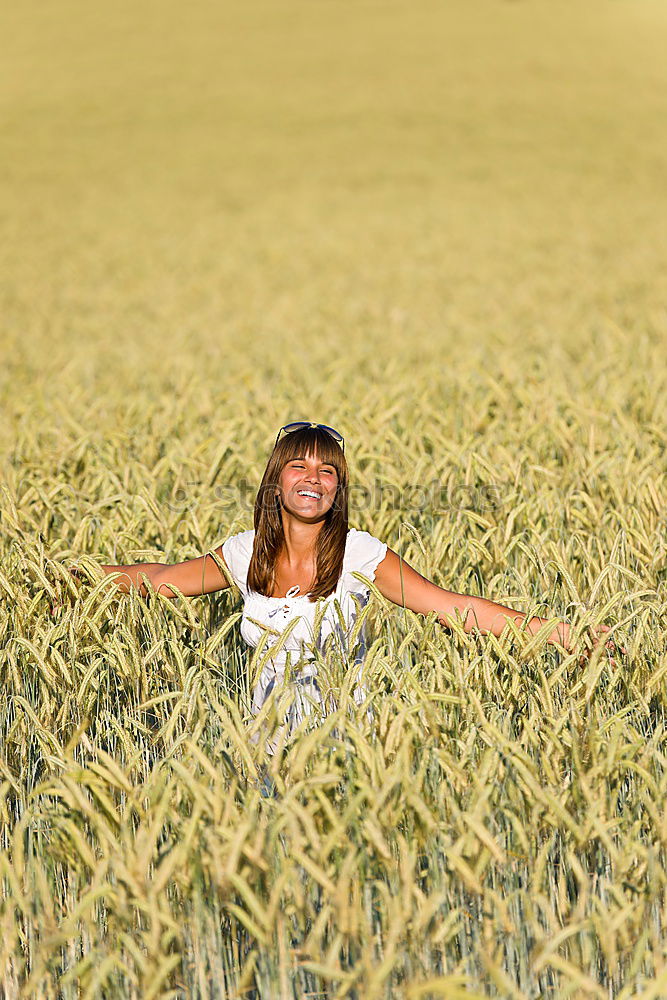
x: 77, y: 577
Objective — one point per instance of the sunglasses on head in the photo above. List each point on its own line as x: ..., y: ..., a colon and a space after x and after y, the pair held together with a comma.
x: 299, y: 424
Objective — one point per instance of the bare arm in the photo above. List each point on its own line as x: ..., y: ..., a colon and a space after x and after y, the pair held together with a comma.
x: 133, y: 575
x: 419, y: 594
x: 193, y: 578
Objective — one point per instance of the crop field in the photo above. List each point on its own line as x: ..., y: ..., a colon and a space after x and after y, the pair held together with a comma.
x: 439, y: 226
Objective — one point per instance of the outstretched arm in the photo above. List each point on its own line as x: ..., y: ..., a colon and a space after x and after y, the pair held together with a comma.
x: 193, y: 578
x: 403, y: 585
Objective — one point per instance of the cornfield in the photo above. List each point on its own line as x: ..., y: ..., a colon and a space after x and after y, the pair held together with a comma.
x: 440, y: 228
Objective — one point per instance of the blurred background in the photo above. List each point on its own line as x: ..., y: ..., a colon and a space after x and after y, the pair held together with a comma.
x: 438, y: 215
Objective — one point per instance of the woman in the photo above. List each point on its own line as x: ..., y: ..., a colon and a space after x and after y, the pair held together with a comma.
x: 298, y: 560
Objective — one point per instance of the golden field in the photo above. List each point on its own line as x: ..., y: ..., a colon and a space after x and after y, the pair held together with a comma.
x: 439, y: 227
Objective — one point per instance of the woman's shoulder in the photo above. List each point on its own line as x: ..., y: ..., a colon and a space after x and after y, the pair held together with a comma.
x: 358, y: 540
x: 237, y: 553
x: 363, y: 552
x: 242, y: 539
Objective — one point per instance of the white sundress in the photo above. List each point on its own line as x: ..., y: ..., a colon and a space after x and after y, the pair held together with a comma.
x: 363, y: 554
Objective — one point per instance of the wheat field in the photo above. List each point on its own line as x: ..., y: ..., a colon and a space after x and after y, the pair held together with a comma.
x: 439, y: 227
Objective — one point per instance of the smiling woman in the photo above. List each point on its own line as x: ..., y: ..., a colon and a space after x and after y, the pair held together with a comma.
x: 300, y: 559
x: 301, y: 515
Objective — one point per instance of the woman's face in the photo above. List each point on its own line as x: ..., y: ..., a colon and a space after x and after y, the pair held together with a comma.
x: 307, y: 487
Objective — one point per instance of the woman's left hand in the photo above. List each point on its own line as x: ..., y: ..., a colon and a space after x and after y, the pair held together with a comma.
x: 596, y: 633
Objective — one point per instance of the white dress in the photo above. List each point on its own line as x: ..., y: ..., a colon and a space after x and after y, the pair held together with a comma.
x: 363, y: 554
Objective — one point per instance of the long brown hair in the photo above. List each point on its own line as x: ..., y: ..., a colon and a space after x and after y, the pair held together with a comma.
x: 269, y: 534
